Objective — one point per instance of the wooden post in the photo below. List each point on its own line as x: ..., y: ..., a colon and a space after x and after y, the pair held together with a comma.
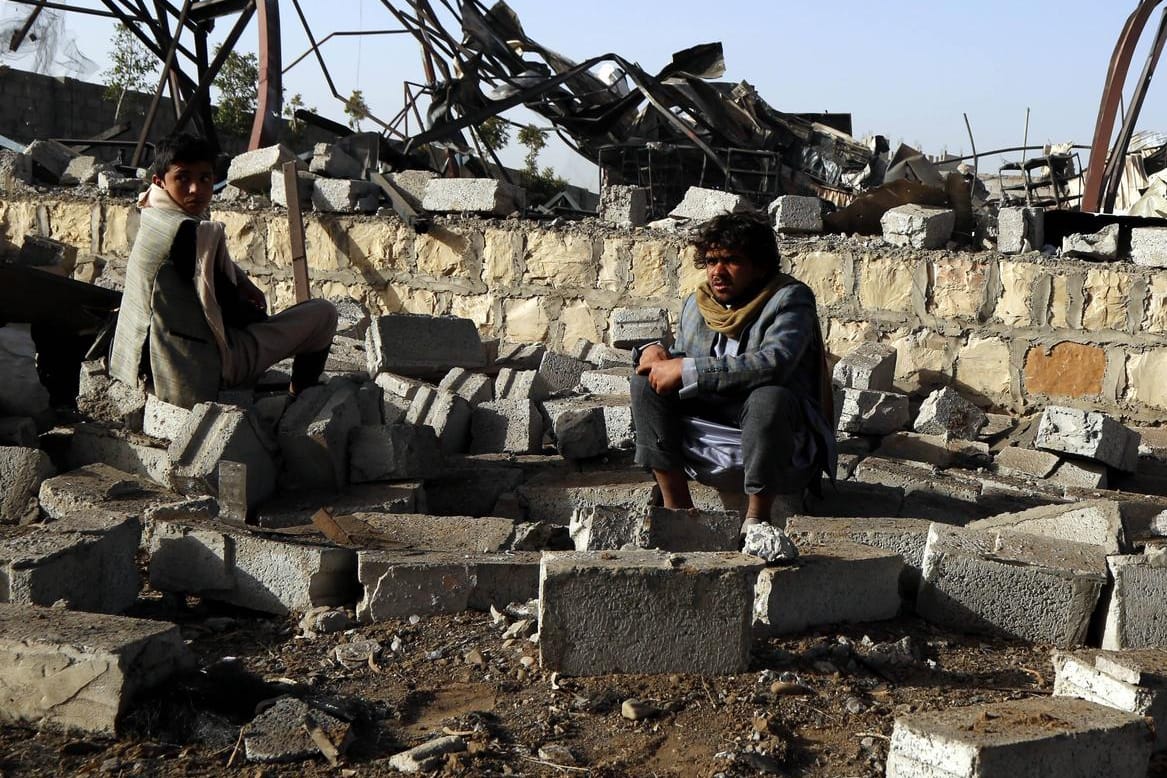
x: 296, y: 231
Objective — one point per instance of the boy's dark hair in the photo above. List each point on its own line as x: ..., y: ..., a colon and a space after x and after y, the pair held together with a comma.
x: 182, y: 147
x: 748, y: 233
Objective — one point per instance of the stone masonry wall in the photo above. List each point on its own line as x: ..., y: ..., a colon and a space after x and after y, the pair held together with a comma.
x: 1017, y: 332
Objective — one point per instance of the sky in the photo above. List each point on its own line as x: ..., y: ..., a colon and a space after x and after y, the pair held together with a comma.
x: 906, y: 69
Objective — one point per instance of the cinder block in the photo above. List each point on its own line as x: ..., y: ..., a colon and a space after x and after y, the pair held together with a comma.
x: 831, y: 583
x: 645, y: 612
x: 314, y: 437
x: 1101, y: 245
x: 945, y: 412
x: 15, y: 171
x: 1025, y: 586
x: 794, y: 214
x: 701, y: 205
x: 215, y: 433
x: 905, y: 537
x: 1089, y: 434
x: 509, y: 426
x: 331, y: 161
x: 401, y: 531
x: 520, y: 385
x: 21, y: 472
x: 918, y: 226
x: 474, y: 195
x: 692, y: 530
x: 50, y: 158
x: 613, y: 381
x: 162, y: 420
x: 446, y: 413
x: 1045, y: 736
x: 1134, y: 611
x: 81, y: 170
x: 337, y: 195
x: 600, y: 355
x: 220, y: 562
x: 471, y: 485
x: 421, y: 346
x: 1014, y: 460
x: 937, y: 450
x: 393, y: 451
x: 251, y: 171
x: 1020, y: 230
x: 305, y: 183
x: 867, y: 366
x: 580, y: 426
x: 560, y: 371
x: 605, y: 528
x: 519, y: 356
x: 624, y: 206
x: 631, y: 327
x: 111, y: 182
x: 554, y: 497
x: 1149, y: 246
x: 1133, y: 681
x: 101, y: 398
x: 80, y: 671
x: 474, y: 388
x: 137, y: 454
x: 397, y: 392
x: 1098, y: 522
x: 412, y: 184
x: 865, y: 412
x: 1079, y: 474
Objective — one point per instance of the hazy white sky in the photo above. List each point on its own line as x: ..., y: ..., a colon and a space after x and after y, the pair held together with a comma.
x: 907, y: 69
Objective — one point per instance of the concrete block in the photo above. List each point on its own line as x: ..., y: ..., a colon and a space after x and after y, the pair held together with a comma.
x: 331, y: 161
x: 295, y: 509
x: 230, y: 564
x: 1133, y: 681
x: 906, y: 537
x: 605, y: 528
x: 50, y: 159
x: 510, y: 426
x: 471, y: 485
x: 1089, y: 434
x: 867, y: 366
x: 645, y: 612
x: 51, y: 256
x: 102, y: 488
x: 1020, y: 230
x: 624, y: 206
x: 21, y: 472
x: 591, y: 422
x: 421, y: 346
x: 615, y: 380
x: 519, y: 356
x: 393, y: 451
x: 692, y: 530
x: 412, y: 185
x: 795, y: 214
x: 18, y: 431
x: 1149, y: 246
x: 554, y: 497
x: 214, y: 433
x: 80, y: 671
x: 397, y: 392
x: 701, y: 205
x: 560, y: 371
x: 397, y: 585
x: 1098, y: 522
x: 865, y: 412
x: 936, y: 450
x: 337, y: 195
x: 281, y: 732
x: 1014, y: 460
x: 132, y: 453
x: 631, y: 327
x: 81, y: 170
x: 447, y: 414
x: 831, y: 583
x: 918, y: 226
x: 600, y: 355
x: 162, y: 420
x: 1045, y: 737
x: 101, y: 398
x: 110, y: 182
x: 475, y: 195
x: 1025, y: 586
x: 945, y: 412
x: 474, y: 388
x: 409, y: 531
x: 251, y: 171
x: 314, y: 437
x: 520, y: 385
x: 1078, y: 474
x: 21, y: 393
x: 1101, y: 245
x: 305, y: 183
x: 1134, y: 610
x: 15, y: 171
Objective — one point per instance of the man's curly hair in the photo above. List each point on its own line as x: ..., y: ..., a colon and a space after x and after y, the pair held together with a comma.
x: 748, y: 233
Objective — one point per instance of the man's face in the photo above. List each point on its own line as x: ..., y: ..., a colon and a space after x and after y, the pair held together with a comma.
x: 190, y: 184
x: 732, y: 276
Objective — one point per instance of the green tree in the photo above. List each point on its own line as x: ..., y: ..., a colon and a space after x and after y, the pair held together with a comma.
x: 356, y: 109
x: 238, y: 86
x: 541, y: 185
x: 132, y: 68
x: 494, y: 133
x: 295, y: 126
x: 534, y: 138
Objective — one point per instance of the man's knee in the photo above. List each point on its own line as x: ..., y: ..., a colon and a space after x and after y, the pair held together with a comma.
x: 770, y: 406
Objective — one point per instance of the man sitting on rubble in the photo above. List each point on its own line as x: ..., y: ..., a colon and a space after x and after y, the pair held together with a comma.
x: 744, y: 394
x: 191, y: 321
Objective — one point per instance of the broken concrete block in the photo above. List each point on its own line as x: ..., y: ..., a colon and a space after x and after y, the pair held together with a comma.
x: 867, y: 366
x: 331, y: 161
x: 50, y: 158
x: 606, y: 528
x: 80, y: 671
x: 215, y: 433
x: 221, y: 562
x: 414, y: 345
x: 471, y: 485
x: 906, y: 537
x: 624, y: 206
x: 589, y: 426
x: 1149, y: 246
x: 1014, y: 460
x: 104, y: 489
x: 110, y: 182
x: 281, y: 733
x: 446, y: 413
x: 474, y: 388
x: 1080, y: 475
x: 81, y: 170
x: 397, y: 392
x: 1026, y: 586
x: 295, y: 509
x: 251, y: 171
x: 21, y: 472
x: 15, y: 171
x: 18, y: 431
x: 162, y: 420
x: 560, y: 371
x: 428, y: 756
x: 600, y: 355
x: 1020, y: 230
x: 936, y: 450
x: 701, y: 205
x: 1134, y: 612
x: 795, y: 214
x: 945, y: 412
x: 314, y: 437
x: 616, y: 380
x: 645, y: 612
x: 126, y: 451
x: 1057, y: 736
x: 519, y: 356
x: 692, y: 530
x: 104, y: 399
x: 831, y: 583
x: 336, y: 195
x: 1133, y: 681
x: 632, y: 327
x: 864, y: 412
x: 475, y: 195
x: 393, y: 451
x: 51, y: 256
x: 510, y: 426
x: 472, y: 534
x: 412, y: 185
x: 1101, y: 245
x: 1088, y: 434
x: 554, y: 497
x: 305, y: 183
x: 520, y: 385
x: 918, y: 226
x: 1098, y: 522
x: 21, y: 392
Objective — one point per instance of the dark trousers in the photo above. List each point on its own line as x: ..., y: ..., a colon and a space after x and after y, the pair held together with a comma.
x: 768, y: 417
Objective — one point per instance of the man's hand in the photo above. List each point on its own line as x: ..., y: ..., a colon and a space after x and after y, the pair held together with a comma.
x: 664, y: 376
x: 651, y: 354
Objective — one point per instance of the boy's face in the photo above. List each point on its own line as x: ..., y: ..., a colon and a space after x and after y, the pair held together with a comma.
x: 190, y: 184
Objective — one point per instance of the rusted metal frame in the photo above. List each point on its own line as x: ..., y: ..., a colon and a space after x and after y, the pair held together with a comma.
x: 203, y: 91
x: 73, y: 9
x: 265, y: 126
x: 206, y: 114
x: 142, y: 15
x: 175, y: 12
x: 1010, y: 150
x: 419, y: 221
x: 166, y: 41
x: 19, y: 35
x: 131, y: 24
x: 338, y: 34
x: 1116, y: 75
x: 1117, y: 159
x: 418, y: 30
x: 296, y: 232
x: 152, y: 112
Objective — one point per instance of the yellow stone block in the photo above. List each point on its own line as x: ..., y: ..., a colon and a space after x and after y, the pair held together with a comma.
x: 445, y: 253
x: 983, y: 365
x: 561, y: 259
x: 1059, y: 305
x: 615, y: 260
x: 653, y: 264
x: 1017, y: 280
x: 691, y: 277
x: 1156, y: 320
x: 478, y: 309
x: 1147, y: 378
x: 18, y: 218
x: 885, y: 284
x: 527, y: 320
x: 243, y: 236
x: 843, y: 336
x: 922, y: 357
x: 822, y: 271
x: 115, y: 229
x: 500, y: 257
x: 958, y: 287
x: 71, y: 222
x: 371, y: 245
x: 1107, y: 293
x: 579, y: 322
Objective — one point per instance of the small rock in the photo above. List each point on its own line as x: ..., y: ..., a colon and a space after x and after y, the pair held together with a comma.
x: 637, y: 710
x: 474, y: 657
x: 357, y: 653
x: 519, y: 629
x: 854, y: 705
x: 793, y: 689
x: 554, y: 752
x: 770, y: 543
x: 427, y: 756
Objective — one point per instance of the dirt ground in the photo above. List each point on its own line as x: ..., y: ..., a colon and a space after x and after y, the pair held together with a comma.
x: 820, y: 704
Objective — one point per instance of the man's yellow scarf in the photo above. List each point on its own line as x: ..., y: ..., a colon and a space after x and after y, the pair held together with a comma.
x: 732, y: 321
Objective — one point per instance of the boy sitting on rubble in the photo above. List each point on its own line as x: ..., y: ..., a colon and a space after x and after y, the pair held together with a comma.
x: 191, y: 321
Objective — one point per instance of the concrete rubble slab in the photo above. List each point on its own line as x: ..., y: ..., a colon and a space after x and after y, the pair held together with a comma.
x: 399, y: 584
x: 560, y: 371
x: 305, y: 183
x: 1133, y: 681
x: 867, y: 412
x: 473, y: 195
x: 280, y: 733
x: 692, y: 530
x: 51, y: 157
x: 624, y: 206
x: 101, y: 487
x: 1056, y: 736
x: 510, y: 426
x: 1149, y: 246
x: 1089, y: 434
x: 513, y: 384
x: 126, y: 451
x: 555, y: 497
x: 1134, y: 609
x: 408, y: 531
x: 1101, y: 245
x: 1081, y: 475
x: 701, y: 205
x: 937, y: 450
x: 330, y: 160
x: 1020, y: 230
x: 48, y: 255
x: 21, y: 392
x: 337, y: 195
x: 519, y: 356
x: 215, y: 433
x: 607, y: 528
x: 22, y: 470
x: 946, y: 412
x: 220, y: 561
x: 80, y: 671
x: 81, y: 170
x: 1025, y: 586
x: 295, y: 509
x: 830, y: 583
x: 314, y: 437
x: 414, y: 345
x: 251, y: 171
x: 645, y: 612
x: 614, y: 380
x: 906, y: 537
x: 1014, y: 460
x: 162, y: 420
x: 600, y: 355
x: 15, y: 171
x: 474, y: 388
x: 867, y: 366
x: 393, y: 452
x: 589, y: 426
x: 397, y: 392
x: 918, y: 226
x: 631, y: 327
x: 1098, y: 522
x: 447, y: 414
x: 797, y: 215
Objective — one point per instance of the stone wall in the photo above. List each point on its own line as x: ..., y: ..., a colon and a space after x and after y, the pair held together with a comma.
x: 1017, y: 332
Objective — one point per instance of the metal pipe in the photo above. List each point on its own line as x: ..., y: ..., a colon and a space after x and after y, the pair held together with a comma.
x: 152, y: 112
x: 204, y: 88
x: 18, y: 36
x: 265, y: 125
